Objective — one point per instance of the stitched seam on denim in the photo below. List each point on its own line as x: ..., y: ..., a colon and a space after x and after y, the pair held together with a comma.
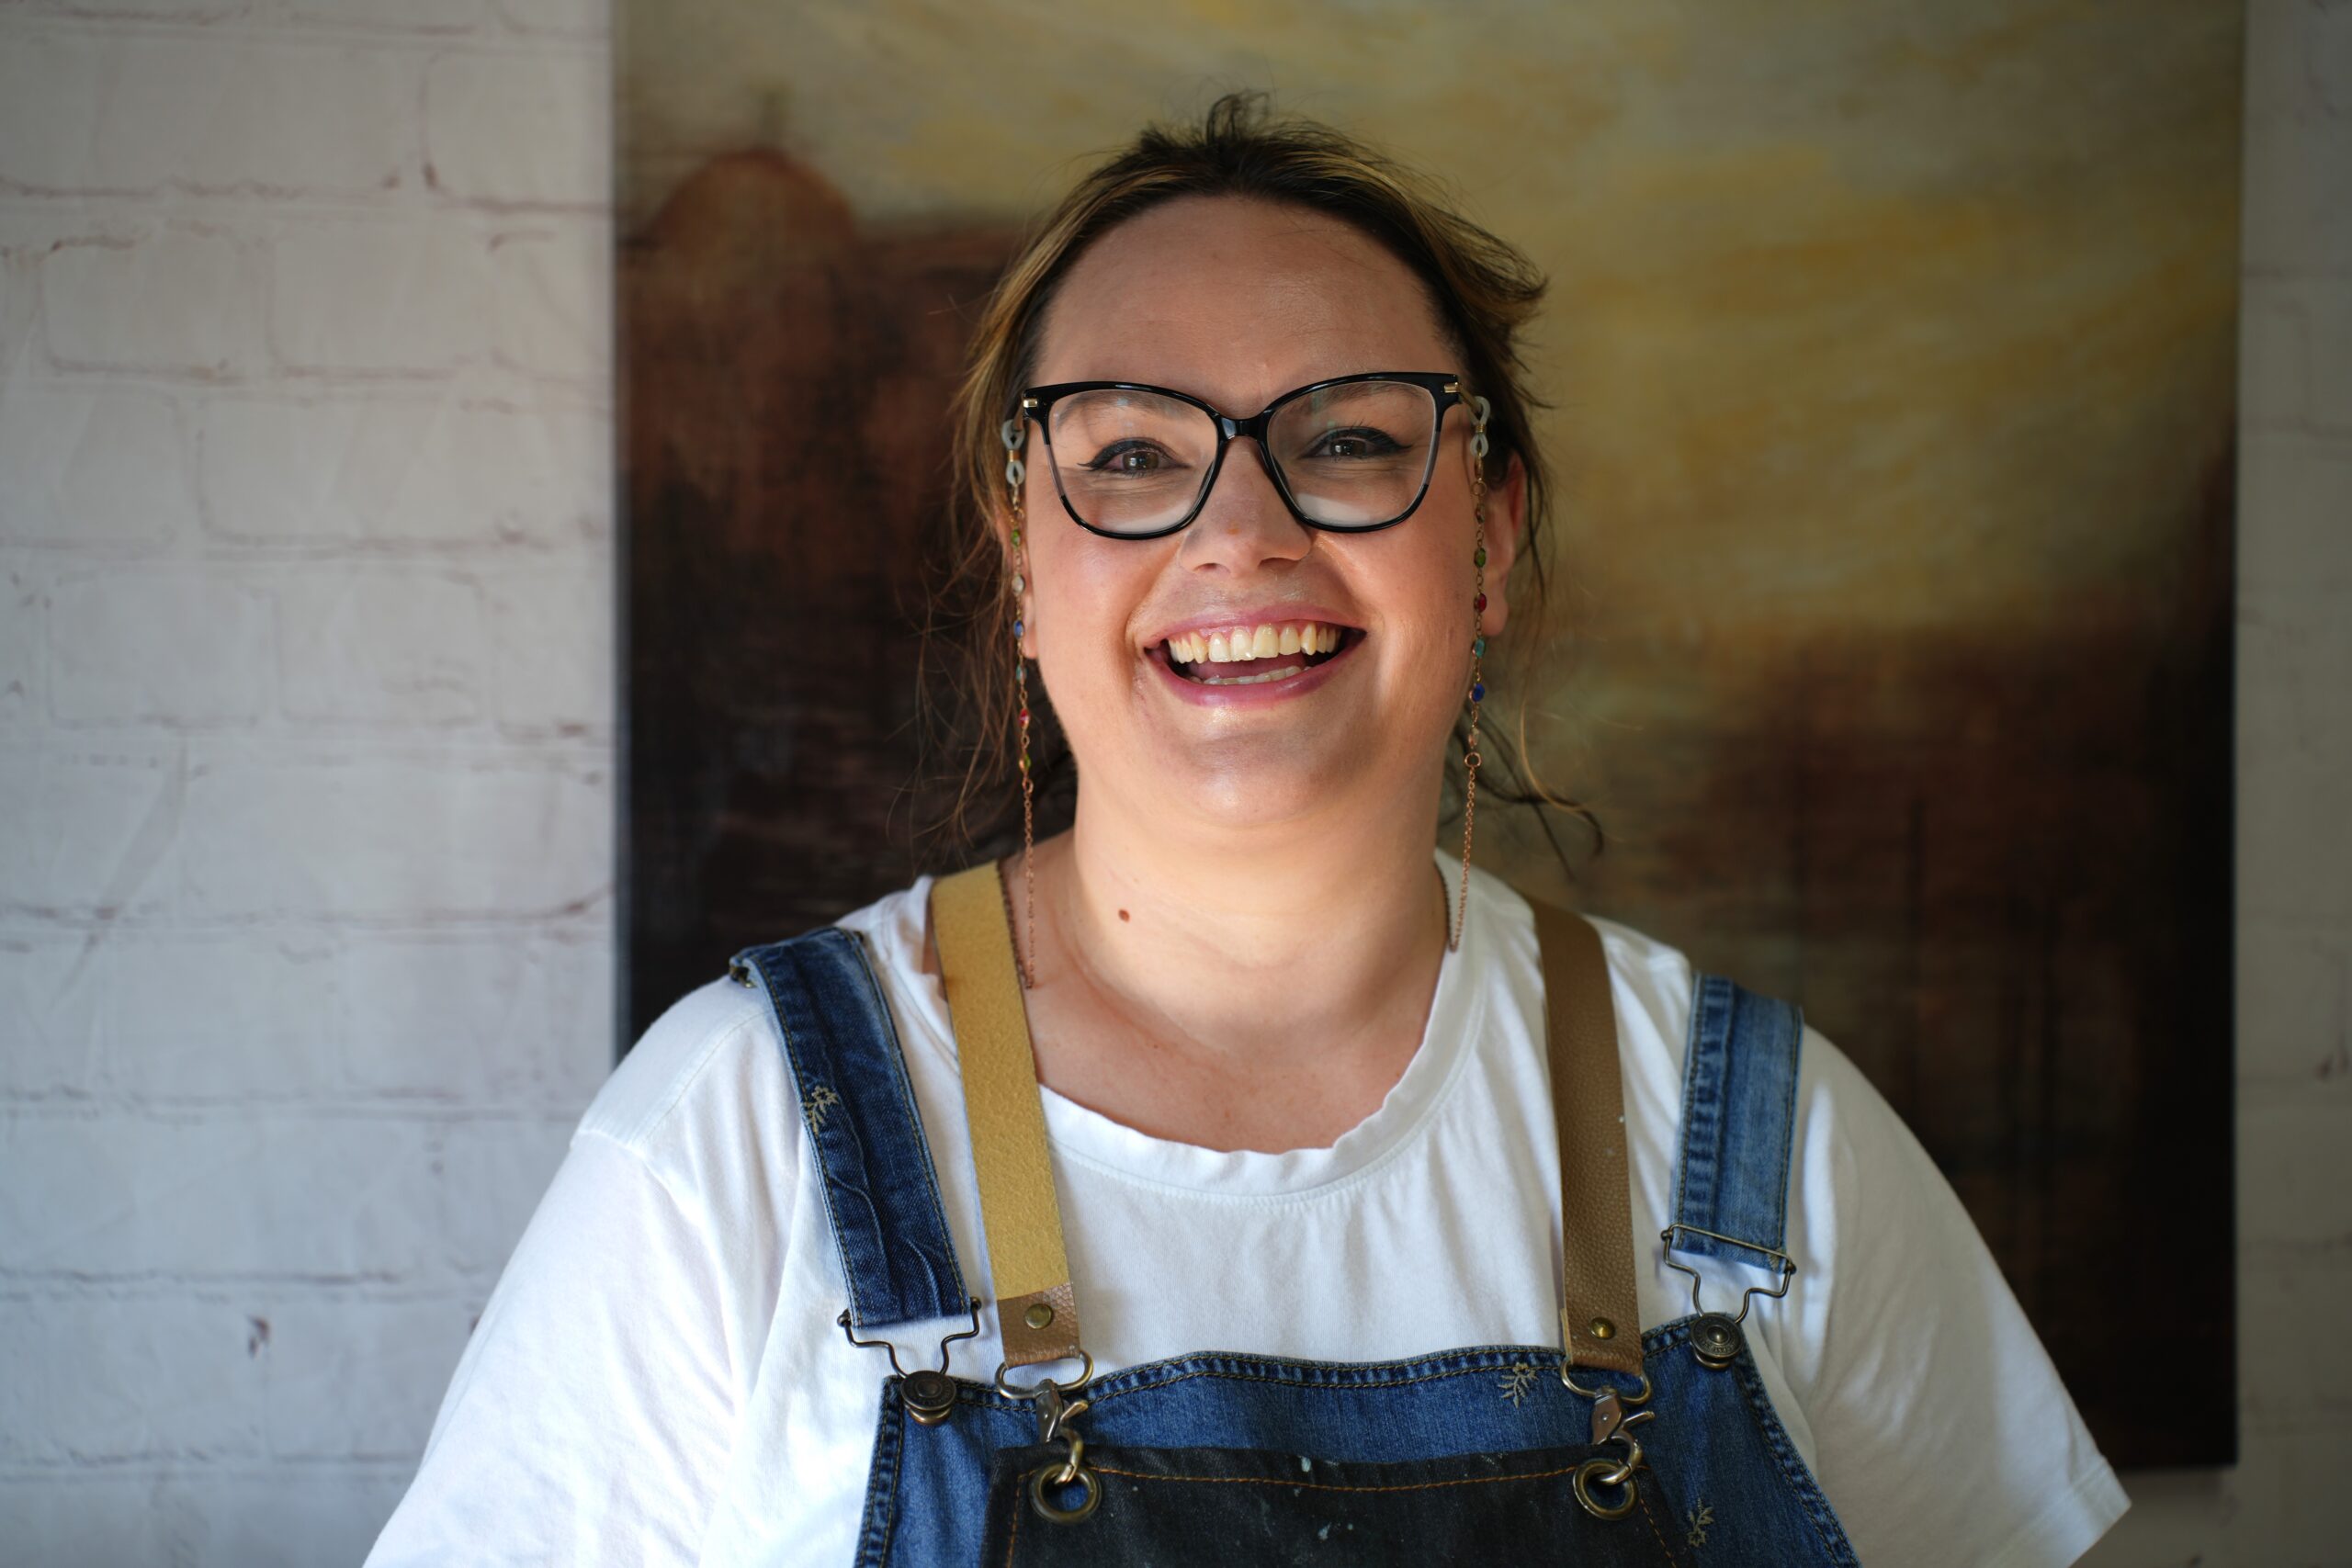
x: 881, y: 1488
x: 1700, y: 1002
x: 1650, y: 1518
x: 1326, y: 1487
x: 848, y: 1063
x: 983, y: 1399
x: 1105, y: 1398
x: 1811, y: 1501
x: 816, y: 1148
x: 1795, y: 1021
x: 1780, y: 1014
x: 898, y: 1463
x: 1489, y: 1358
x: 897, y: 1063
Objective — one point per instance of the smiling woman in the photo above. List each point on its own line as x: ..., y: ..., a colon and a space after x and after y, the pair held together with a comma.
x: 1335, y: 1202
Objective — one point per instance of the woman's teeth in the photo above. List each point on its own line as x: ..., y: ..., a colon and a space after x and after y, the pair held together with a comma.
x: 1238, y: 645
x: 1282, y: 673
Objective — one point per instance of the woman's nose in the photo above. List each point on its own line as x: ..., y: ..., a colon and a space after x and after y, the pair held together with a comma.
x: 1243, y: 521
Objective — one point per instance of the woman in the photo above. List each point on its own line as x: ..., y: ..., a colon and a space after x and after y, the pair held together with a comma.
x: 1356, y: 1210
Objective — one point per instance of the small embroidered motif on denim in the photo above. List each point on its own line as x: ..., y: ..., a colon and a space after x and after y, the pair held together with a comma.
x: 881, y: 1194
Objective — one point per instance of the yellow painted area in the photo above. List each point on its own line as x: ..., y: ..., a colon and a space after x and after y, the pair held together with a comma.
x: 1869, y: 318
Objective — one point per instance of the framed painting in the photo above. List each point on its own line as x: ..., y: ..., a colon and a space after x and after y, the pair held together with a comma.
x: 1891, y: 351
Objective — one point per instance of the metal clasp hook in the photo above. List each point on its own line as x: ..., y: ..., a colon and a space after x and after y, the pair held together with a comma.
x: 1611, y: 1424
x: 1715, y: 1338
x: 929, y: 1395
x: 1055, y: 1415
x: 1059, y: 1404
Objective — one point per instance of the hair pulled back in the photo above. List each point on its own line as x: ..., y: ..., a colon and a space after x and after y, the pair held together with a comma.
x: 1483, y: 292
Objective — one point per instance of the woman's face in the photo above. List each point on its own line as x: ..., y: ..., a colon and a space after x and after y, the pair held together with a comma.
x: 1236, y: 302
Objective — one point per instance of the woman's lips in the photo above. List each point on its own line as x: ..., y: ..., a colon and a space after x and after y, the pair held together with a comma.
x: 1243, y: 684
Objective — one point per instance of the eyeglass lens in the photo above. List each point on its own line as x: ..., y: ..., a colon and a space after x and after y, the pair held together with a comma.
x: 1352, y: 455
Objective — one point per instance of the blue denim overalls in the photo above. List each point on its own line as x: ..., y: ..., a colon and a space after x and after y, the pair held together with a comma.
x: 1617, y: 1449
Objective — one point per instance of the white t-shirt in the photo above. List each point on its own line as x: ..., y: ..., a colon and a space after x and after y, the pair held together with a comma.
x: 658, y: 1378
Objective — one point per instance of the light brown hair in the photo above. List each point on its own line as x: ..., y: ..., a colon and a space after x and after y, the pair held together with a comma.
x: 1482, y: 291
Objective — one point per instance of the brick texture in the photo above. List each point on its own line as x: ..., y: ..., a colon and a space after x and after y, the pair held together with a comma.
x: 306, y: 772
x: 158, y: 644
x: 180, y: 299
x: 82, y: 466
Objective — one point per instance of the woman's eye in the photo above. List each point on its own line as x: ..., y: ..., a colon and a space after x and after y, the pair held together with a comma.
x: 1354, y: 444
x: 1130, y: 457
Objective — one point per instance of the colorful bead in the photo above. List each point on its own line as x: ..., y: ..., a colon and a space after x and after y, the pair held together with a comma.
x: 1024, y: 764
x: 1025, y: 718
x: 1480, y: 558
x: 1016, y: 538
x: 1477, y: 648
x: 1479, y: 603
x: 1020, y: 583
x: 1019, y: 628
x: 1477, y: 690
x: 1021, y: 673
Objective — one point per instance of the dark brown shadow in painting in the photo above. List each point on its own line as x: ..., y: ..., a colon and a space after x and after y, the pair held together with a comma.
x: 786, y: 378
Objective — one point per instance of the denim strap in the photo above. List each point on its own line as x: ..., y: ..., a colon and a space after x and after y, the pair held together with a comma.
x: 880, y: 1192
x: 1740, y: 1094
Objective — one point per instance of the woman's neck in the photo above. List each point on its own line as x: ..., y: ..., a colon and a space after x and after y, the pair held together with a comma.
x: 1301, y: 961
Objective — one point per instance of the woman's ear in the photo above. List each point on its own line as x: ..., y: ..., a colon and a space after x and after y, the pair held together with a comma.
x: 1506, y: 531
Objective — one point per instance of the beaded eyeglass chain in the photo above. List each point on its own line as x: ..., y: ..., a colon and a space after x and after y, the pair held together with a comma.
x: 1480, y: 411
x: 1013, y: 434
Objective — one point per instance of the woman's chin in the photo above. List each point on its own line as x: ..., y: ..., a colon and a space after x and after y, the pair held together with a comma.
x: 1243, y: 783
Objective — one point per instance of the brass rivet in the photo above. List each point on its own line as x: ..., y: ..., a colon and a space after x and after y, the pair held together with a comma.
x: 1038, y: 1317
x: 1601, y: 1328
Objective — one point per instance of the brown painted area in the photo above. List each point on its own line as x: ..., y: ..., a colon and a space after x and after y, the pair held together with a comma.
x: 787, y: 380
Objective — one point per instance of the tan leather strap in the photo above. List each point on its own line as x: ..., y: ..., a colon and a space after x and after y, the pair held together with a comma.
x: 1036, y: 1310
x: 1600, y: 1315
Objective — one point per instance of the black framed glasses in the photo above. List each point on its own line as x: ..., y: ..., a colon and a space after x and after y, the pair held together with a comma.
x: 1349, y: 454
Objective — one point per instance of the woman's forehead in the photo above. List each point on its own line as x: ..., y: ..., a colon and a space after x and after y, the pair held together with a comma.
x: 1231, y: 299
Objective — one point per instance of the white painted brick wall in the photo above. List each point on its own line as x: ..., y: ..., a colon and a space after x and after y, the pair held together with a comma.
x: 179, y: 298
x: 382, y: 294
x: 306, y: 733
x: 305, y: 932
x: 164, y: 644
x: 91, y: 465
x: 353, y: 655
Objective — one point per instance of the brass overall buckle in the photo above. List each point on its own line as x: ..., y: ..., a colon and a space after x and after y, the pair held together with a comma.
x: 1715, y: 1339
x: 930, y: 1396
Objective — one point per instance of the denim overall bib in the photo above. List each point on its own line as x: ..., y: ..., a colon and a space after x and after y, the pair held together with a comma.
x: 1615, y: 1447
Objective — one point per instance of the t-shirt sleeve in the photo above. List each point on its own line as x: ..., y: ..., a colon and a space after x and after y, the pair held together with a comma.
x: 1942, y: 1433
x: 592, y: 1414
